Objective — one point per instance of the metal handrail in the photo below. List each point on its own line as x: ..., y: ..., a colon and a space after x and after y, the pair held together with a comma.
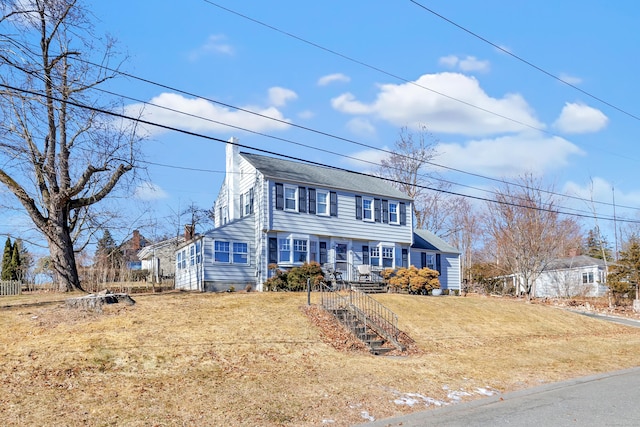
x: 374, y: 315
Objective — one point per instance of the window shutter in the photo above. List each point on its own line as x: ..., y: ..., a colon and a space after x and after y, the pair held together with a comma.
x: 376, y: 207
x: 302, y: 199
x: 333, y: 200
x: 358, y: 207
x: 251, y: 200
x: 280, y: 196
x: 273, y: 250
x: 312, y: 200
x: 423, y: 260
x: 403, y: 213
x: 385, y: 211
x: 438, y: 267
x: 323, y: 253
x: 241, y: 205
x: 405, y: 258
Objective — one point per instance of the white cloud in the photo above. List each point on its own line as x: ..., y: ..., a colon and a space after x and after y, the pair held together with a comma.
x: 601, y: 191
x: 361, y: 127
x: 306, y: 114
x: 204, y: 116
x: 580, y: 118
x: 279, y: 96
x: 332, y: 78
x: 445, y: 102
x: 215, y: 44
x: 148, y: 191
x: 509, y: 156
x: 570, y: 79
x: 467, y: 64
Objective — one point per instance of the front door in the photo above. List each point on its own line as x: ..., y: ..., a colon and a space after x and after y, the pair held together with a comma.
x: 342, y: 260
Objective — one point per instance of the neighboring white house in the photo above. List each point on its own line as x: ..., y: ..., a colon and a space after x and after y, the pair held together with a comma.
x: 275, y: 211
x: 579, y: 275
x: 159, y: 259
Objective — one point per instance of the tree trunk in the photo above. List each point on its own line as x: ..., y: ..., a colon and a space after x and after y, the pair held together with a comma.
x: 63, y: 261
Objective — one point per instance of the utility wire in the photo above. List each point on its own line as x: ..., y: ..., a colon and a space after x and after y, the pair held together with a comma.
x: 364, y: 64
x: 322, y: 133
x: 519, y: 58
x: 435, y: 178
x: 273, y: 153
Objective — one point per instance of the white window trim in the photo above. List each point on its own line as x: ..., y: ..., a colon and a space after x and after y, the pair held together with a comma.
x: 397, y: 205
x: 231, y: 252
x: 371, y: 209
x: 290, y: 239
x: 295, y: 197
x: 327, y: 203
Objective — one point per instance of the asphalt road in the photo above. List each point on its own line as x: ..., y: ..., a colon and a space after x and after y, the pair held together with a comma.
x: 611, y: 399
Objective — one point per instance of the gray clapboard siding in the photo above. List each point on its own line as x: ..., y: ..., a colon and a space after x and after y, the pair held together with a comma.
x: 345, y: 225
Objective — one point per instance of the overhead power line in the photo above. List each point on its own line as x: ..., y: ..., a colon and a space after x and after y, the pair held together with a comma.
x: 273, y: 153
x: 319, y: 132
x: 529, y: 63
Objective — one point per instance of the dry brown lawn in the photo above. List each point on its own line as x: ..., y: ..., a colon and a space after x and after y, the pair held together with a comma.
x: 257, y: 359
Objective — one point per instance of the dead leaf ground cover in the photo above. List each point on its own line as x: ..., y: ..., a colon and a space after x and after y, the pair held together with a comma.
x: 264, y: 359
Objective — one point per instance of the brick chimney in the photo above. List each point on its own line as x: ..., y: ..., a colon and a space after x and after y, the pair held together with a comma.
x: 135, y: 241
x: 189, y: 231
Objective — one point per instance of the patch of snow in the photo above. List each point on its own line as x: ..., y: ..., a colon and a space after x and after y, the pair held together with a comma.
x: 486, y: 391
x: 411, y: 399
x: 328, y: 421
x: 366, y: 416
x: 456, y: 395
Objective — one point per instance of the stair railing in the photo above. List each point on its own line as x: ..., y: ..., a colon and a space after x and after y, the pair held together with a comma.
x: 375, y: 315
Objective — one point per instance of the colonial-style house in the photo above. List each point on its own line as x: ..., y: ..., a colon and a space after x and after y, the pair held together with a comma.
x: 271, y: 211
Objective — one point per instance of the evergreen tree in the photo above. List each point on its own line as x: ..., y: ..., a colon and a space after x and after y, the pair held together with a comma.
x: 624, y: 275
x: 108, y: 258
x: 6, y: 260
x: 595, y: 245
x: 15, y: 264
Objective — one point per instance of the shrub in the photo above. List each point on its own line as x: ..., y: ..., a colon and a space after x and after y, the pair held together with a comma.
x: 412, y: 280
x: 295, y: 279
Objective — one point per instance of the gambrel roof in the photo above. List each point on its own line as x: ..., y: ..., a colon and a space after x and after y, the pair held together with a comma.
x: 323, y: 176
x: 424, y: 239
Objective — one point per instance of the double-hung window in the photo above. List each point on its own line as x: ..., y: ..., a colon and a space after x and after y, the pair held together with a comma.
x: 299, y: 250
x: 322, y: 202
x: 587, y: 277
x: 375, y: 256
x: 284, y: 250
x: 221, y: 251
x: 367, y: 209
x: 240, y: 253
x: 290, y: 198
x: 387, y: 256
x: 394, y: 217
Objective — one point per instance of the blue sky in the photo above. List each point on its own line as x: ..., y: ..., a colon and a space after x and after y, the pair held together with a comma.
x: 362, y: 70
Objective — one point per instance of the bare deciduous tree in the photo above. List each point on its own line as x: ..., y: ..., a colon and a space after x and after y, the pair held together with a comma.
x: 58, y: 157
x: 527, y: 232
x: 408, y: 168
x: 465, y: 235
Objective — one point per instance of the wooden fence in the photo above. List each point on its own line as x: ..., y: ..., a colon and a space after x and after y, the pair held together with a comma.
x: 10, y: 287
